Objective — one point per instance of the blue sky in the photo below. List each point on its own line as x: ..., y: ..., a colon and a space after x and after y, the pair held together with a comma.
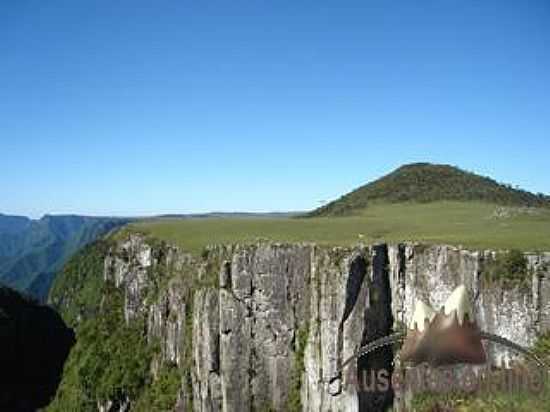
x: 145, y: 107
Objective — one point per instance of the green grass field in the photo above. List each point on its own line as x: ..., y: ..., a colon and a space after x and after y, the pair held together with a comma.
x: 472, y: 225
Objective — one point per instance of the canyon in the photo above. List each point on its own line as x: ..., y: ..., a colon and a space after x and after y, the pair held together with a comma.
x: 266, y: 326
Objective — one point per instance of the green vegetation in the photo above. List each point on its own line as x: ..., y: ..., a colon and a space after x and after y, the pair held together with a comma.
x: 490, y: 401
x: 76, y: 291
x: 294, y: 403
x: 471, y: 224
x: 508, y: 268
x: 187, y: 363
x: 520, y: 401
x: 424, y: 182
x: 542, y: 347
x: 162, y: 394
x: 110, y: 360
x: 267, y: 408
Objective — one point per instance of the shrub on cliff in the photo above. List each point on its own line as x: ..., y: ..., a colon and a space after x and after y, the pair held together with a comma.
x: 110, y: 361
x: 509, y: 268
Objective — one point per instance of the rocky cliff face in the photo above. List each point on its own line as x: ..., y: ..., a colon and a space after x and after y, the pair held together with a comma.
x: 266, y: 326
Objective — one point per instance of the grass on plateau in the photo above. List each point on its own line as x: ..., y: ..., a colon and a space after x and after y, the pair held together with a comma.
x: 473, y: 225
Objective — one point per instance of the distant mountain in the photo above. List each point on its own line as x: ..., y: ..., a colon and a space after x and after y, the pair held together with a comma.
x: 32, y: 251
x: 228, y: 215
x: 425, y: 182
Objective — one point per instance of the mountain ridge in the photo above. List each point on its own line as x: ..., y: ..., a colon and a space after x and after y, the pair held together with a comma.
x: 33, y: 250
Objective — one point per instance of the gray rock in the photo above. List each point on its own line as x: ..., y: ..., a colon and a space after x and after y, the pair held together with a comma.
x: 245, y: 326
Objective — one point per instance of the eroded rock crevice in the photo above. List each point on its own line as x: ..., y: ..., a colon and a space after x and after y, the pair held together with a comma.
x: 374, y: 370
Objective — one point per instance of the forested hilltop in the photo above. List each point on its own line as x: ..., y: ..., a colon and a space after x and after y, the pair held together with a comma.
x: 425, y: 182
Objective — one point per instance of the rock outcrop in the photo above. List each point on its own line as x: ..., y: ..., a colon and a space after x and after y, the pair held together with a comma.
x: 266, y: 326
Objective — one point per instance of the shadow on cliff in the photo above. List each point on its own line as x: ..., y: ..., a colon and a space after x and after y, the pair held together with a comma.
x: 34, y: 343
x: 378, y: 323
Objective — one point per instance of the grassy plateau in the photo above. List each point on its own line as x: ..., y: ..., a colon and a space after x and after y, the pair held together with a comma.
x: 470, y: 224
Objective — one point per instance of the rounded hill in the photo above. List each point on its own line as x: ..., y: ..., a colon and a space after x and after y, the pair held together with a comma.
x: 425, y: 182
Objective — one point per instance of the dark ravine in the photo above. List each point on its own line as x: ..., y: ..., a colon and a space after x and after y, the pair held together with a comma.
x: 34, y: 343
x: 265, y: 326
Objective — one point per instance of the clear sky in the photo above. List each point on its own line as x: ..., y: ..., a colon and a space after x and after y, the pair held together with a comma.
x: 145, y: 107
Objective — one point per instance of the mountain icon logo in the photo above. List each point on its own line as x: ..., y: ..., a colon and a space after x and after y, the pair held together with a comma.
x: 447, y: 337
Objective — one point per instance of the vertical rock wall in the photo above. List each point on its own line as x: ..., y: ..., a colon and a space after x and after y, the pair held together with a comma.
x: 238, y: 330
